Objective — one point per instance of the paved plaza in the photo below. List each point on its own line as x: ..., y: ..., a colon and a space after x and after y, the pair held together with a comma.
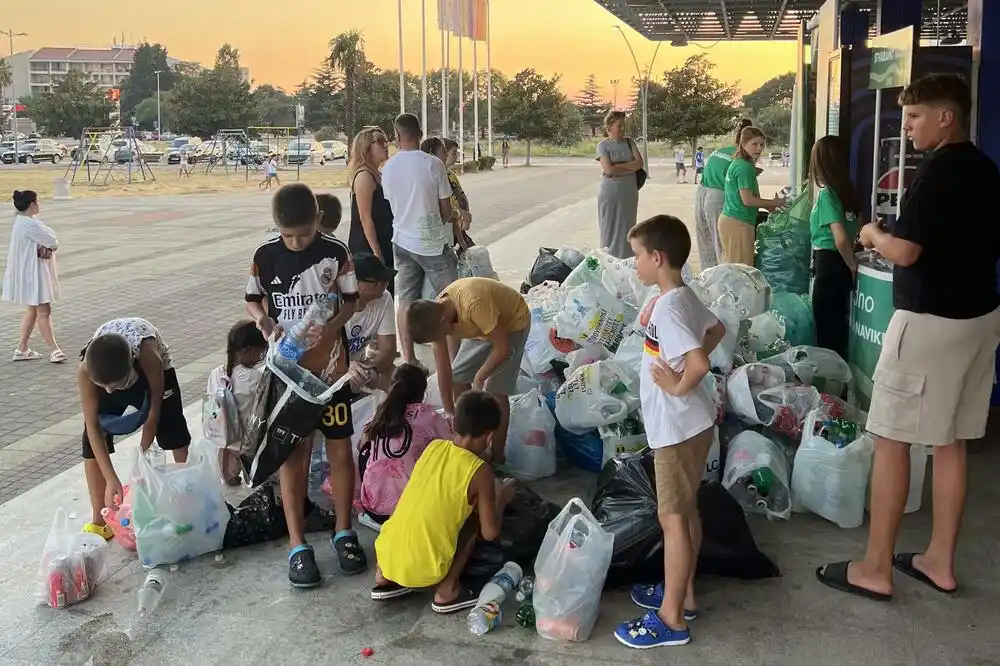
x: 181, y: 262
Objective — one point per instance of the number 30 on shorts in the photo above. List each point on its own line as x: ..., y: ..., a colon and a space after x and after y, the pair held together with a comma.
x: 336, y: 415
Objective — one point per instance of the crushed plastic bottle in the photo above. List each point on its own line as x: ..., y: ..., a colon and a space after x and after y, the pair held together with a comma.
x: 484, y: 618
x: 151, y: 592
x: 156, y: 456
x: 294, y: 343
x: 526, y: 588
x: 488, y: 612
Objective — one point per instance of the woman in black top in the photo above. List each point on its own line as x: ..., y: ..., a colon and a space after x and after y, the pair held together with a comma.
x: 371, y: 216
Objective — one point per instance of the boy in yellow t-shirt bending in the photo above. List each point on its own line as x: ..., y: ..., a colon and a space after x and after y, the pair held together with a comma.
x: 448, y: 502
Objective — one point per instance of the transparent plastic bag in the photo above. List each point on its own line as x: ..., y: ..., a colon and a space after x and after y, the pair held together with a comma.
x: 595, y: 395
x: 815, y: 366
x: 745, y: 384
x: 724, y: 308
x: 71, y: 564
x: 475, y: 262
x: 538, y: 348
x: 625, y: 436
x: 588, y: 271
x: 531, y: 438
x: 570, y: 256
x: 829, y: 481
x: 570, y: 569
x: 179, y: 511
x: 784, y: 246
x: 585, y: 356
x: 758, y: 475
x: 765, y: 331
x: 795, y: 313
x: 591, y: 315
x: 744, y: 283
x: 790, y: 404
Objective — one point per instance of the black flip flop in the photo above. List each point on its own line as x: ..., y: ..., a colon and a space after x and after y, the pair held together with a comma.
x: 903, y: 562
x: 389, y: 590
x: 466, y: 599
x: 834, y: 575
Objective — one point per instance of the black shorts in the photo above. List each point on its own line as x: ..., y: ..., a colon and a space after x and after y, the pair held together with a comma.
x: 336, y: 421
x: 699, y: 169
x: 171, y: 431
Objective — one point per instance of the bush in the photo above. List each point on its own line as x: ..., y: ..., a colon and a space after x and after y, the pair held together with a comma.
x: 470, y: 166
x: 486, y: 163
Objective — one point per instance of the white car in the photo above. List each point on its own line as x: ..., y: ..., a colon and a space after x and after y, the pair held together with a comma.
x: 334, y: 150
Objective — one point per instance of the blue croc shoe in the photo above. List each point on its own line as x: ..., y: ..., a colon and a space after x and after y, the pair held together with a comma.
x: 651, y: 597
x: 649, y: 631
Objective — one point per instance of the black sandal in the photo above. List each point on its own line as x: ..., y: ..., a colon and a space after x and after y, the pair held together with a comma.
x: 903, y: 562
x: 834, y: 575
x: 389, y: 590
x: 466, y: 599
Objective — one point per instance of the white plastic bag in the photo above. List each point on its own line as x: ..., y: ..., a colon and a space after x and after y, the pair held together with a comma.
x: 531, y: 438
x: 178, y: 511
x: 815, y: 366
x: 570, y: 569
x: 829, y: 481
x: 713, y: 469
x: 749, y: 452
x: 784, y: 408
x: 570, y: 256
x: 744, y: 386
x: 747, y: 286
x: 595, y: 395
x: 585, y: 356
x: 538, y: 348
x: 434, y: 392
x: 71, y: 564
x: 765, y: 332
x: 475, y: 262
x: 625, y: 436
x: 590, y: 315
x: 724, y: 308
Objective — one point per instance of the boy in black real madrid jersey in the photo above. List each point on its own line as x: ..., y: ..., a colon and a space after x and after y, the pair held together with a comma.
x: 290, y: 272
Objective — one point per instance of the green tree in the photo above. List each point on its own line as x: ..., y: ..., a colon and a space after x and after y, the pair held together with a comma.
x: 318, y: 96
x: 347, y: 56
x: 694, y: 104
x: 145, y: 112
x: 532, y: 108
x: 141, y: 81
x: 774, y: 92
x: 274, y: 107
x: 591, y: 106
x: 213, y: 99
x: 6, y: 74
x: 75, y: 103
x: 776, y: 123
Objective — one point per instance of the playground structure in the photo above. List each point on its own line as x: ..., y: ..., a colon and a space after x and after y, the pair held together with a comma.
x: 99, y: 145
x: 231, y: 145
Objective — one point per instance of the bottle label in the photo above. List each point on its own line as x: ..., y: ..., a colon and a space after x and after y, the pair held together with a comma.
x: 504, y: 580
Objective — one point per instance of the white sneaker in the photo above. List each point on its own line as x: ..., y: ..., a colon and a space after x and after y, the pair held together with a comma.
x: 369, y: 522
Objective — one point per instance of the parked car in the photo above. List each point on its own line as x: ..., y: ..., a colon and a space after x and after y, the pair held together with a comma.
x: 334, y: 150
x: 31, y: 153
x: 304, y: 151
x: 52, y: 144
x: 133, y: 153
x: 249, y: 154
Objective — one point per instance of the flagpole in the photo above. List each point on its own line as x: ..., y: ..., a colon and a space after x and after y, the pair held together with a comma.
x: 461, y: 87
x: 489, y: 83
x: 444, y: 87
x: 475, y: 83
x: 423, y: 65
x: 402, y: 74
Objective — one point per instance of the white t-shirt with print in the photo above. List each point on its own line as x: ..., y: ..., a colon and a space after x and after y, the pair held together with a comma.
x: 676, y: 326
x: 679, y: 156
x: 135, y: 330
x: 378, y: 318
x: 414, y: 183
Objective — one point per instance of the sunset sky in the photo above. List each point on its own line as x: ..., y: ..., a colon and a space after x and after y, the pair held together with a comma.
x: 282, y: 42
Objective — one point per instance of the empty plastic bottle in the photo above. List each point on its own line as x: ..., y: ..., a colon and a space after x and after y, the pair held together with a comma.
x: 294, y: 343
x: 151, y: 591
x: 526, y: 614
x: 484, y: 618
x: 526, y: 588
x: 156, y: 456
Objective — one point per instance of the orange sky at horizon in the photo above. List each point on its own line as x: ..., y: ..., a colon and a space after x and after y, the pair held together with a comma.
x: 572, y: 38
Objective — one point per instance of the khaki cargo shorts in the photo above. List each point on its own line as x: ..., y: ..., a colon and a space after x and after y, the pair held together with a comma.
x: 934, y: 378
x: 679, y: 470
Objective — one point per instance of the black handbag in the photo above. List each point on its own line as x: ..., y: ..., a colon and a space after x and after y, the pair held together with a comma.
x: 641, y: 175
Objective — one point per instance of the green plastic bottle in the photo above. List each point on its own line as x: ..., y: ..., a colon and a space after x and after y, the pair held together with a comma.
x: 525, y: 615
x: 763, y: 479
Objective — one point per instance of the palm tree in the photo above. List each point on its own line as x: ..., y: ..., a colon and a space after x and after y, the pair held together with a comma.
x: 6, y: 76
x: 347, y: 54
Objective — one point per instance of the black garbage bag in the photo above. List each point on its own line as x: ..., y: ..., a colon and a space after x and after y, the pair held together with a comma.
x: 727, y: 549
x: 280, y: 419
x: 546, y: 268
x: 258, y: 519
x: 525, y: 521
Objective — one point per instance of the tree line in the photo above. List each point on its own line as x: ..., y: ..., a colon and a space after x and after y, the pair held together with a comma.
x: 347, y: 92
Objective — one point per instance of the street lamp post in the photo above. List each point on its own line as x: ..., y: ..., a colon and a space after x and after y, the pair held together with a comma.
x: 614, y: 85
x: 645, y: 94
x: 13, y: 90
x: 159, y: 122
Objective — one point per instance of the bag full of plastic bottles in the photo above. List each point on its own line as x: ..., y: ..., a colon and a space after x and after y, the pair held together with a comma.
x: 531, y: 438
x: 548, y: 267
x: 745, y: 284
x: 789, y: 404
x: 758, y: 475
x: 743, y: 388
x: 832, y: 465
x: 178, y: 510
x: 764, y: 335
x: 795, y: 313
x: 784, y: 246
x: 623, y: 437
x: 815, y: 366
x: 570, y: 570
x: 625, y: 505
x: 598, y: 394
x: 591, y: 315
x: 724, y: 308
x: 71, y: 564
x: 475, y: 262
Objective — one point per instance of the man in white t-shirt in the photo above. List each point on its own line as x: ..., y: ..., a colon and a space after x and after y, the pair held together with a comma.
x: 371, y: 331
x: 681, y: 166
x: 417, y: 188
x: 679, y: 415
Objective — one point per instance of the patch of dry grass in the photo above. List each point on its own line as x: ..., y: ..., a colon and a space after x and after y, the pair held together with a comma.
x: 166, y: 181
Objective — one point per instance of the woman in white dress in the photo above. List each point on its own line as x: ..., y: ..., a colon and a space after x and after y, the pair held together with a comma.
x: 30, y: 279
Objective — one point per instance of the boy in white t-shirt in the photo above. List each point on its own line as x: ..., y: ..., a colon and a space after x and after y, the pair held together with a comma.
x: 680, y: 421
x: 371, y: 331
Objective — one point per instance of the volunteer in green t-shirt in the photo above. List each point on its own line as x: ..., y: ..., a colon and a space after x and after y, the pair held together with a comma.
x: 741, y: 200
x: 834, y: 226
x: 708, y: 201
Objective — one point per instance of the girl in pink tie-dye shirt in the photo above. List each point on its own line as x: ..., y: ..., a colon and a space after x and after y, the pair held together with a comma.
x: 395, y: 438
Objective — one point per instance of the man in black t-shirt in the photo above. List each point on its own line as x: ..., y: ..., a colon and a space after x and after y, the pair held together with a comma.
x: 934, y: 378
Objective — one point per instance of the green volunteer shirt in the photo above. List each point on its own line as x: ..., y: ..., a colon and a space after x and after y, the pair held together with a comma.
x: 826, y: 210
x: 741, y: 175
x: 714, y: 176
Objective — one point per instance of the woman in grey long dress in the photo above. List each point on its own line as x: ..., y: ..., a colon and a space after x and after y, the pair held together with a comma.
x: 618, y: 198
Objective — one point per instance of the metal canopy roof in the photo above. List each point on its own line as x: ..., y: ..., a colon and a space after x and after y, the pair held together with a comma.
x: 714, y: 20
